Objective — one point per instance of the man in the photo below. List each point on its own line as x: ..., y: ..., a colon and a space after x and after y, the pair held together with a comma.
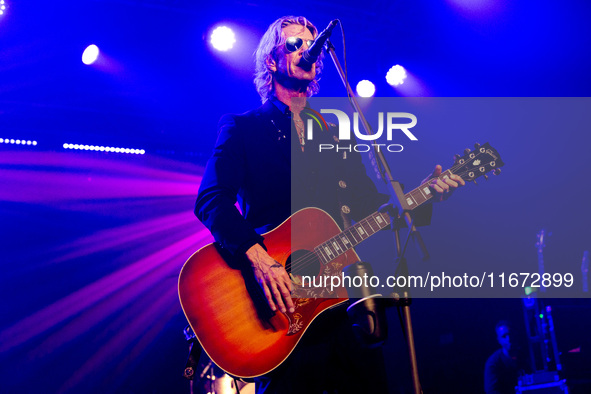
x: 501, y: 371
x: 257, y: 160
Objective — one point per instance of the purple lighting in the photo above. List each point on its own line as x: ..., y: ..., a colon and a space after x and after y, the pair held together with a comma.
x: 108, y: 285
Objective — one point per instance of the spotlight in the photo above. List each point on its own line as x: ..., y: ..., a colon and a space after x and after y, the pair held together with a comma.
x: 223, y: 38
x: 2, y: 7
x: 396, y: 75
x: 17, y: 142
x: 103, y: 148
x: 90, y: 54
x: 365, y: 88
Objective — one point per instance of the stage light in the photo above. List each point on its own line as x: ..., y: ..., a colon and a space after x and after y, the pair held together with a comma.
x: 12, y: 141
x: 528, y: 291
x: 223, y: 38
x: 396, y: 75
x: 365, y: 88
x: 90, y: 54
x: 104, y: 149
x: 2, y: 7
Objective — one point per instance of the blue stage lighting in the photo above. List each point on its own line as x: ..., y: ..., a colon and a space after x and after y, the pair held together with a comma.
x: 223, y: 38
x: 104, y: 149
x: 12, y: 141
x: 90, y: 54
x: 396, y: 75
x: 365, y: 88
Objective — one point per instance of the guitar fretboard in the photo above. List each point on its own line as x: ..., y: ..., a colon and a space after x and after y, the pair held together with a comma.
x: 422, y: 194
x: 351, y: 237
x: 367, y: 227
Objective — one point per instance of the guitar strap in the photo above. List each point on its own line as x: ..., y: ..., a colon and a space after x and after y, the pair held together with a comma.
x: 194, y: 354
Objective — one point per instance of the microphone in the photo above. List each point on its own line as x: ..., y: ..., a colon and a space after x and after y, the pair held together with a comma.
x: 310, y: 56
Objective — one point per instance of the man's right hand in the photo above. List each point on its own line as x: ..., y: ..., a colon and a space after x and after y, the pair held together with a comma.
x: 272, y: 277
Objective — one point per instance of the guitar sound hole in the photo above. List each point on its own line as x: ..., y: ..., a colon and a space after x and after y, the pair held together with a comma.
x: 305, y: 263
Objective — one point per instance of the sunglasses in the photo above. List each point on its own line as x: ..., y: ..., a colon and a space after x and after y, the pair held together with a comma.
x: 292, y: 44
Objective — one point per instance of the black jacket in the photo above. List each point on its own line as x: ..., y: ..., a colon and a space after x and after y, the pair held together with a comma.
x: 254, y: 163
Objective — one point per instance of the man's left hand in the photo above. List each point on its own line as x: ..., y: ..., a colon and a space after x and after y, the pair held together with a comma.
x: 443, y: 187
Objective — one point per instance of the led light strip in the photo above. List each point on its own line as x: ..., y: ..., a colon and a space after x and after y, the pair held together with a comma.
x: 17, y: 142
x: 104, y: 149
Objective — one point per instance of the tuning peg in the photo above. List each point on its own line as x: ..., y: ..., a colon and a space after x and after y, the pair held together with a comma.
x: 466, y: 151
x: 485, y: 177
x: 476, y: 146
x: 497, y: 171
x: 457, y: 157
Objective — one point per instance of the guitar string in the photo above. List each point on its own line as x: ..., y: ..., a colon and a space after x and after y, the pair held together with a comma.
x: 311, y: 257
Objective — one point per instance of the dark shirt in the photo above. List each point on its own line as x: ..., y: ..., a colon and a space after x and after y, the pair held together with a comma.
x: 500, y: 374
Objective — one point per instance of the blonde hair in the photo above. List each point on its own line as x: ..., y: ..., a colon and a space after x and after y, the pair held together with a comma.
x: 270, y: 42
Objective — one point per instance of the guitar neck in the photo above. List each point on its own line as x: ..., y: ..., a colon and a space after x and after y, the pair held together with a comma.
x: 469, y: 167
x: 367, y: 227
x: 422, y: 194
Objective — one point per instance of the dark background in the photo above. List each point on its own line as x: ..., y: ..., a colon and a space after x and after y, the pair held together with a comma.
x: 92, y: 243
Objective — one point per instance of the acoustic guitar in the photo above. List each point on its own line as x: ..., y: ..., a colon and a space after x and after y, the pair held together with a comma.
x: 227, y: 310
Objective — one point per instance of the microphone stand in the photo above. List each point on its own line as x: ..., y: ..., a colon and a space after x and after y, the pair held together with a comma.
x: 400, y: 296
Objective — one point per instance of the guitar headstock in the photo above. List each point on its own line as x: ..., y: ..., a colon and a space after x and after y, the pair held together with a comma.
x: 477, y: 163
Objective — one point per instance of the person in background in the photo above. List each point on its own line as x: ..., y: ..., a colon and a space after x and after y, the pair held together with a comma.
x: 502, y: 368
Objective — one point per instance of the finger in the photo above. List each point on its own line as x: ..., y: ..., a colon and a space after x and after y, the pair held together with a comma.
x: 287, y: 282
x: 437, y: 170
x: 437, y: 188
x: 277, y: 296
x: 281, y: 278
x: 442, y: 185
x: 458, y: 179
x: 451, y: 182
x: 269, y: 297
x: 280, y: 275
x: 287, y: 297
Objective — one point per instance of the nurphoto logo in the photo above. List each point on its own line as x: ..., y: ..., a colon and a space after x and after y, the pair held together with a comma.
x: 393, y: 126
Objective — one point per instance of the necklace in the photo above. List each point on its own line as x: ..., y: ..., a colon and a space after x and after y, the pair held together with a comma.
x: 299, y: 124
